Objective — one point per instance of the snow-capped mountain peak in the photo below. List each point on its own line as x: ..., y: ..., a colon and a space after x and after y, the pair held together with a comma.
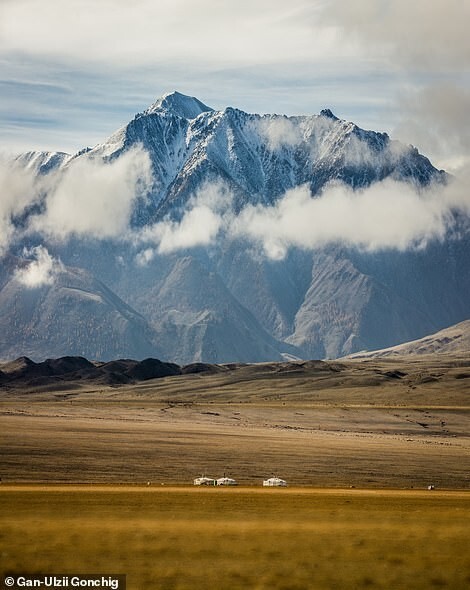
x: 226, y: 302
x: 258, y: 157
x: 329, y: 114
x: 187, y: 107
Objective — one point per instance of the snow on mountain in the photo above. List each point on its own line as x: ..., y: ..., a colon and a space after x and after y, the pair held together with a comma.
x: 259, y: 157
x: 452, y: 340
x: 187, y: 107
x: 228, y: 302
x: 42, y: 162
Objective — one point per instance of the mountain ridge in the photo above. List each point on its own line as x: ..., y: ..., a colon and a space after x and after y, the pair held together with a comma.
x: 70, y: 372
x: 322, y: 303
x: 452, y: 340
x: 312, y: 149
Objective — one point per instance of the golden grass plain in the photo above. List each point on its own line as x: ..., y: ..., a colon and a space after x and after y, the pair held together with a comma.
x: 350, y: 437
x: 248, y: 538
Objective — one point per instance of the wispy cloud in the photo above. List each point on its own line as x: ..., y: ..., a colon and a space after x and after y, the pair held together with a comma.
x: 92, y: 199
x: 436, y: 117
x: 148, y: 31
x: 207, y: 213
x: 428, y: 42
x: 40, y: 268
x: 279, y: 132
x: 419, y: 35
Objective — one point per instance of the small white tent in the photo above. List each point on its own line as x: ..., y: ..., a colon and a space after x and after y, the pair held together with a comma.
x: 275, y: 482
x: 226, y: 481
x: 204, y: 481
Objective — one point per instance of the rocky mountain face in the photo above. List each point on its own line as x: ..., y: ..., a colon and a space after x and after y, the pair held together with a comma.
x: 227, y: 301
x: 76, y: 312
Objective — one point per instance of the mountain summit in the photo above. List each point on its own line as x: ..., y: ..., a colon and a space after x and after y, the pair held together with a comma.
x: 217, y: 301
x: 187, y: 107
x: 259, y: 157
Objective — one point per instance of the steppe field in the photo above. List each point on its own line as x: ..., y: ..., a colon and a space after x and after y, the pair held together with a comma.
x: 195, y: 538
x: 98, y: 478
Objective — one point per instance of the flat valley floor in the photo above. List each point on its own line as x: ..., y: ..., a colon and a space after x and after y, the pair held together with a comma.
x: 399, y: 423
x: 97, y: 479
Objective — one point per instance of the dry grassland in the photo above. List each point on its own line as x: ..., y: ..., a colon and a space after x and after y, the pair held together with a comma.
x: 371, y: 424
x: 185, y: 538
x: 374, y: 423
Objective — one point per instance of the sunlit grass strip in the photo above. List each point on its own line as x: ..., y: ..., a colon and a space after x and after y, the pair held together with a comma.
x: 185, y: 538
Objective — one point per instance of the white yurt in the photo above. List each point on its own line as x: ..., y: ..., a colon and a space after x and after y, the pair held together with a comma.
x: 204, y: 481
x: 275, y: 482
x: 226, y: 481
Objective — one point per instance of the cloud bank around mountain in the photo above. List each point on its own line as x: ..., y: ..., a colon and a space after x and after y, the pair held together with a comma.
x: 386, y: 215
x: 94, y: 199
x: 90, y: 198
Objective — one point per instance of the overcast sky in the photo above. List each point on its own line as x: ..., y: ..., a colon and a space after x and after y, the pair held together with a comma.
x: 72, y: 71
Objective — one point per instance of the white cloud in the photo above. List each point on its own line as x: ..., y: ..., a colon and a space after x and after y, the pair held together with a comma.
x: 457, y: 194
x: 200, y: 225
x: 145, y: 31
x: 358, y: 152
x: 424, y: 35
x: 428, y: 44
x: 39, y: 272
x: 95, y: 199
x: 279, y: 132
x: 144, y: 257
x: 436, y: 118
x: 387, y: 215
